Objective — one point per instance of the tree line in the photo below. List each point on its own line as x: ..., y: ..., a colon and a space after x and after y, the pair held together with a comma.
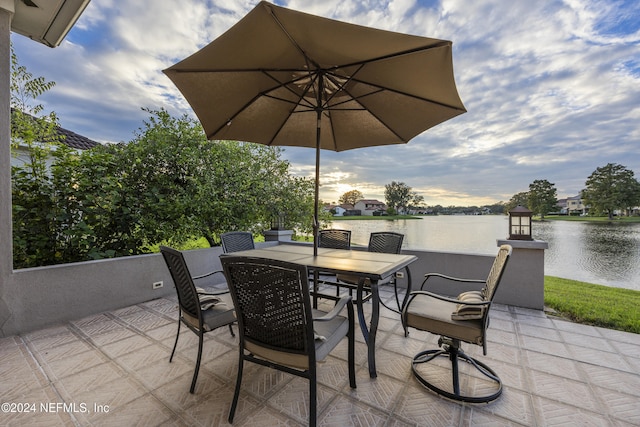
x: 609, y: 189
x: 401, y: 198
x: 169, y: 185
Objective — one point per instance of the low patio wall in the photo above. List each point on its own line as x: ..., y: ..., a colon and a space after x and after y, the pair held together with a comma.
x: 41, y: 297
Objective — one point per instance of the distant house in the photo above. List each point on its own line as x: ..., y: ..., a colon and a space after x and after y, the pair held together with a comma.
x: 562, y: 206
x: 69, y: 138
x: 369, y: 206
x: 572, y: 206
x: 338, y: 210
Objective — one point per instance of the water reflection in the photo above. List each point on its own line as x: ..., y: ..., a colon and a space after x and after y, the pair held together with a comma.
x: 606, y: 253
x: 603, y: 253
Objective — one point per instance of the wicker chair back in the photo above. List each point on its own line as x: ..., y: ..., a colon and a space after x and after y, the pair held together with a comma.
x: 235, y: 241
x: 385, y: 242
x: 272, y: 304
x: 185, y: 288
x: 334, y: 239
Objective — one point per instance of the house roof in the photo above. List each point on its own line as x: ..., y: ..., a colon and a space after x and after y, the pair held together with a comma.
x: 75, y: 140
x: 71, y: 138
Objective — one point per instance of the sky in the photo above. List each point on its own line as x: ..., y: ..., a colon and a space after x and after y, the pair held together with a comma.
x: 551, y: 88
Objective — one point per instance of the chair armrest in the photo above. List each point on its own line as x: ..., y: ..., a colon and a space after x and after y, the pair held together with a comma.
x: 445, y: 298
x: 341, y: 302
x: 454, y: 279
x: 202, y: 276
x: 218, y: 292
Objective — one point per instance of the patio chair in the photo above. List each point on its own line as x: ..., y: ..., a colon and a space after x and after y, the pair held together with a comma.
x: 235, y: 241
x: 465, y: 318
x: 200, y: 311
x: 278, y: 328
x: 387, y: 242
x: 334, y: 239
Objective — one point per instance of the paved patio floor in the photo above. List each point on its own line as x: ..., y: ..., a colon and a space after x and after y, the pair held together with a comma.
x: 113, y: 369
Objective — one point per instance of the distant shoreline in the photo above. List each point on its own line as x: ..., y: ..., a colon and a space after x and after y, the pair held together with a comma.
x: 375, y: 218
x: 599, y: 219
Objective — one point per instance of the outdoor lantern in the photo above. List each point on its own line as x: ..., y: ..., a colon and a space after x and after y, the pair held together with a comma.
x: 520, y: 223
x: 277, y: 222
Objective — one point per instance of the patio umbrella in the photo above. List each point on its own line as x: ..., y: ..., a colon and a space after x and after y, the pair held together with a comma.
x: 287, y: 78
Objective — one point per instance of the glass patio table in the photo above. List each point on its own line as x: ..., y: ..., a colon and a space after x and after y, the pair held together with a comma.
x: 366, y: 265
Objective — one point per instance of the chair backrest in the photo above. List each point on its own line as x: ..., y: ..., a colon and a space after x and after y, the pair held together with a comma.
x: 235, y: 241
x: 496, y: 272
x: 272, y: 303
x: 386, y: 242
x: 186, y: 289
x: 334, y: 239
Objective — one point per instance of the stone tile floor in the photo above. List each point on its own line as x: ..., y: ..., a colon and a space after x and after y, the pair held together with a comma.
x: 112, y: 369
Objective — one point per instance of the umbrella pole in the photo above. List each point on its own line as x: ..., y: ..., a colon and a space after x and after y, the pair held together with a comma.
x: 316, y: 225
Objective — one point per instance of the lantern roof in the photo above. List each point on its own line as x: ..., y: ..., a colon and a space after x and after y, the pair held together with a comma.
x: 521, y: 210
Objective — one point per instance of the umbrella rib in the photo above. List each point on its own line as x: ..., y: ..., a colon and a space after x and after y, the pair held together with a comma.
x: 381, y: 88
x: 442, y: 43
x: 290, y: 37
x: 265, y: 94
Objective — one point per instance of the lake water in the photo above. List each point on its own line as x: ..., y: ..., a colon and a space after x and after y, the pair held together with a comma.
x: 606, y: 254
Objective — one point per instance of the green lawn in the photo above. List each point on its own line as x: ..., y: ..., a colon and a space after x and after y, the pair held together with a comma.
x: 609, y: 307
x: 617, y: 219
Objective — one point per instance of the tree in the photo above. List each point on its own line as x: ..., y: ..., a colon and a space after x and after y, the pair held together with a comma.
x: 542, y: 197
x: 168, y: 185
x: 631, y: 197
x: 417, y: 201
x: 211, y: 187
x: 351, y: 197
x: 518, y: 199
x: 496, y: 208
x: 33, y: 207
x: 399, y: 196
x: 37, y: 133
x: 609, y: 188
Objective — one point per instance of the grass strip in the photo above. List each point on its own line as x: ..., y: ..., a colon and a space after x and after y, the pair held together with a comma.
x: 603, y: 219
x: 581, y: 302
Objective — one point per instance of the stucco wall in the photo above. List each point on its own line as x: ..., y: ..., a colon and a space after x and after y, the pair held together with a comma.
x: 41, y: 297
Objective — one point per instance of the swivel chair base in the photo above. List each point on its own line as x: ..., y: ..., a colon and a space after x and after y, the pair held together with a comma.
x: 451, y: 349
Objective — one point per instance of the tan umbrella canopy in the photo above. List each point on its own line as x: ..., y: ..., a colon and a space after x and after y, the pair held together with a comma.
x: 287, y: 78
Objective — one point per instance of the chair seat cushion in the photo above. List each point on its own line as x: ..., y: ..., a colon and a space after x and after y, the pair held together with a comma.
x: 208, y: 300
x: 433, y: 315
x: 333, y: 331
x: 469, y: 312
x: 222, y: 313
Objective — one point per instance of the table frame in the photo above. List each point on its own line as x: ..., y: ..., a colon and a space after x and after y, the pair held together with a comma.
x: 366, y: 265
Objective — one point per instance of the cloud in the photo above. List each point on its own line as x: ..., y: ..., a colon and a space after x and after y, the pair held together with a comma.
x: 551, y: 88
